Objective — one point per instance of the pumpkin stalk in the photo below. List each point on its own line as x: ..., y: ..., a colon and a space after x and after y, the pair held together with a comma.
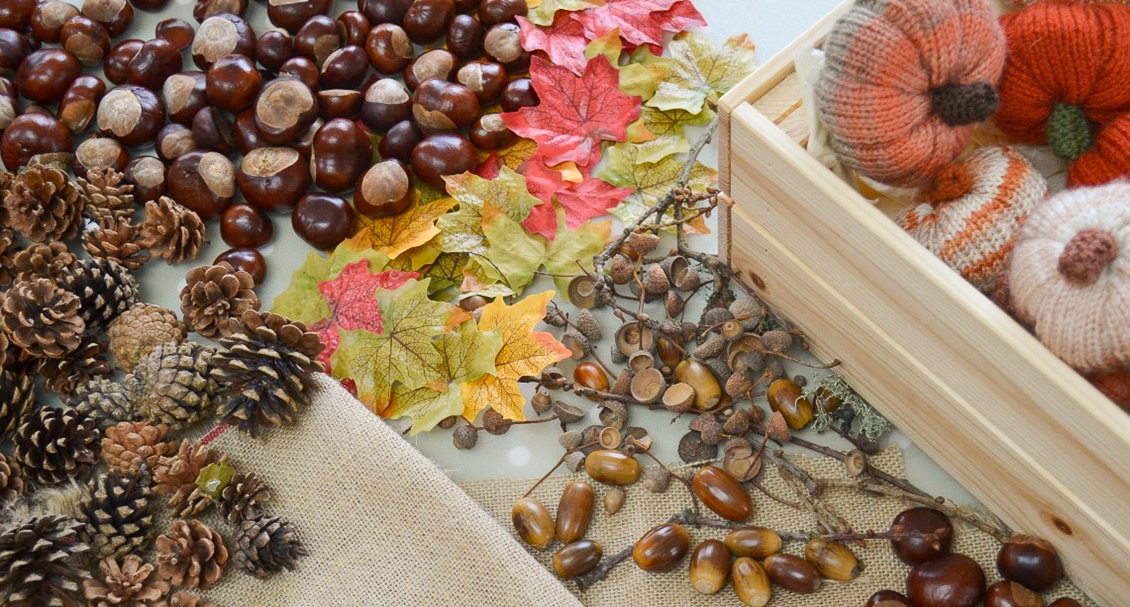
x: 961, y: 104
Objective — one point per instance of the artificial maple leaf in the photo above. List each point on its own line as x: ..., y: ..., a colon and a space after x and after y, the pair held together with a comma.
x: 563, y: 41
x: 446, y: 270
x: 575, y: 113
x: 300, y: 300
x: 649, y: 181
x: 641, y: 21
x: 461, y: 231
x: 641, y: 75
x: 591, y: 198
x: 543, y: 183
x: 700, y: 71
x: 673, y: 122
x: 548, y: 10
x: 403, y: 231
x: 524, y: 353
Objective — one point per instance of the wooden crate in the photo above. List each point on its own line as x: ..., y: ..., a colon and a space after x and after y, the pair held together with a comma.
x: 1022, y: 431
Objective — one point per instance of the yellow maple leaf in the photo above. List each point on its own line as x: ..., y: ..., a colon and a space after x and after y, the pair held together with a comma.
x: 403, y: 231
x: 524, y: 353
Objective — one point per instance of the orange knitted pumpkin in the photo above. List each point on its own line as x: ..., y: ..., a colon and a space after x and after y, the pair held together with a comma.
x: 1107, y: 159
x: 903, y: 82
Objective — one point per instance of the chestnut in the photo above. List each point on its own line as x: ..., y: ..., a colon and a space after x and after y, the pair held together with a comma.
x: 116, y: 62
x: 30, y: 134
x: 9, y: 103
x: 465, y: 37
x: 150, y: 5
x: 16, y: 14
x: 220, y: 35
x: 305, y: 142
x: 344, y: 68
x: 427, y: 20
x: 888, y: 598
x: 44, y: 75
x: 293, y: 14
x: 1065, y: 602
x: 208, y: 8
x: 173, y: 141
x: 245, y: 226
x: 502, y: 44
x: 951, y: 580
x: 177, y: 32
x: 486, y: 80
x: 115, y: 15
x: 131, y: 114
x: 384, y: 11
x: 86, y: 39
x: 518, y: 93
x: 489, y: 132
x: 273, y: 48
x: 317, y: 38
x: 442, y: 154
x: 80, y: 102
x: 436, y: 63
x: 440, y: 105
x: 323, y: 220
x: 1031, y: 561
x: 247, y: 260
x: 273, y: 178
x: 399, y: 141
x: 353, y: 27
x: 389, y: 48
x: 13, y: 48
x: 1011, y: 594
x: 339, y: 103
x: 212, y: 130
x: 341, y: 151
x: 147, y: 174
x: 921, y: 534
x: 386, y: 103
x: 233, y: 83
x: 301, y: 68
x: 467, y: 6
x: 185, y: 94
x: 202, y: 181
x: 384, y: 190
x: 156, y: 61
x: 99, y: 153
x: 492, y: 12
x: 48, y: 18
x: 245, y: 133
x: 285, y: 108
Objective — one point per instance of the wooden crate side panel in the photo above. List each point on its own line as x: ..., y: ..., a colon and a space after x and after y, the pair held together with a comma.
x: 1023, y: 432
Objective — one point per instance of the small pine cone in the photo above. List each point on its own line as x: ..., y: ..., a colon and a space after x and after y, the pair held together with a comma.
x: 118, y: 240
x: 214, y: 294
x: 17, y: 396
x: 265, y: 546
x: 187, y: 599
x: 133, y: 583
x: 42, y: 319
x: 171, y: 231
x: 43, y: 260
x: 587, y: 325
x: 12, y: 483
x: 65, y: 375
x: 9, y: 248
x: 176, y: 475
x: 105, y: 288
x: 620, y: 269
x: 268, y: 371
x: 243, y: 498
x: 105, y: 401
x: 191, y: 554
x: 55, y: 445
x: 175, y: 385
x: 40, y: 562
x: 106, y: 196
x: 117, y: 514
x: 43, y: 204
x: 141, y: 328
x: 136, y: 446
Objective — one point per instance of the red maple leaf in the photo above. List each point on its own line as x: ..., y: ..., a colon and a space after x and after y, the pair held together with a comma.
x: 641, y: 21
x: 543, y: 183
x: 490, y: 167
x: 575, y: 113
x: 593, y: 197
x: 564, y: 41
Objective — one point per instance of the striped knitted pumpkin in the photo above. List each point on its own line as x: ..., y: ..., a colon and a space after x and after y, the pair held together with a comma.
x: 973, y: 211
x: 903, y: 82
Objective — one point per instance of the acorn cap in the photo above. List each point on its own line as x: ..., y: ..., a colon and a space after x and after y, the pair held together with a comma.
x: 679, y: 397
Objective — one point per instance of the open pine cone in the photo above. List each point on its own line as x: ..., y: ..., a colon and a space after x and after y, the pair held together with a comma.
x: 43, y: 204
x: 11, y: 480
x: 243, y: 498
x: 268, y: 370
x: 9, y: 247
x: 118, y: 240
x: 42, y: 319
x: 105, y: 195
x: 175, y: 384
x: 106, y: 401
x: 133, y: 583
x: 186, y: 599
x: 171, y: 231
x: 191, y: 554
x: 266, y: 545
x: 55, y: 445
x: 17, y: 395
x: 117, y: 514
x: 176, y: 475
x: 136, y: 446
x: 141, y: 328
x: 43, y: 260
x: 213, y: 295
x: 104, y: 287
x: 39, y: 563
x: 65, y: 375
x: 6, y: 179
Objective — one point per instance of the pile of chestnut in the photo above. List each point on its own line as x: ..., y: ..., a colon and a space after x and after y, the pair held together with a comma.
x: 301, y: 104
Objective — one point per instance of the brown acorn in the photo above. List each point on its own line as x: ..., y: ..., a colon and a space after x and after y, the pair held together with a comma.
x: 661, y: 548
x: 576, y: 558
x: 612, y: 467
x: 786, y: 398
x: 750, y: 582
x: 834, y: 561
x: 792, y: 573
x: 710, y: 567
x: 533, y: 522
x: 754, y: 542
x: 574, y: 511
x: 722, y: 493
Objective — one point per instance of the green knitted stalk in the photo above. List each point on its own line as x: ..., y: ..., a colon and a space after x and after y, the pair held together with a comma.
x: 1069, y: 131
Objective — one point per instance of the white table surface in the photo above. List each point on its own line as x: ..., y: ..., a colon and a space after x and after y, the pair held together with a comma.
x: 527, y: 451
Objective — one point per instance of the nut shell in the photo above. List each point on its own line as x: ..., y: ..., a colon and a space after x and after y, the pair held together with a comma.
x: 662, y: 548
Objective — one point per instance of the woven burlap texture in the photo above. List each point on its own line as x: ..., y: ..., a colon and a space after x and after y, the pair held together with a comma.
x: 628, y: 585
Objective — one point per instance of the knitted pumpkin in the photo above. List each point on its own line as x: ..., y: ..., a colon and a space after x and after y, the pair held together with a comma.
x: 1107, y: 159
x: 1070, y: 276
x: 973, y: 211
x: 904, y: 80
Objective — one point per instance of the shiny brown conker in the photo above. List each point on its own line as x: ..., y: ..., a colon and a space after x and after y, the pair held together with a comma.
x: 489, y: 132
x: 301, y: 68
x: 44, y: 75
x: 245, y: 133
x: 80, y: 102
x: 323, y: 220
x: 344, y: 68
x: 273, y: 178
x: 951, y: 580
x: 208, y: 8
x: 439, y: 105
x: 14, y: 46
x: 184, y: 95
x: 147, y: 174
x: 426, y: 20
x: 31, y: 134
x: 212, y: 130
x: 130, y: 114
x: 156, y: 61
x: 173, y: 141
x: 1011, y: 594
x: 354, y: 27
x: 436, y: 63
x: 86, y: 39
x: 442, y: 154
x: 492, y: 12
x: 888, y: 598
x: 317, y: 38
x: 99, y: 153
x: 247, y: 260
x: 1032, y: 561
x: 384, y: 190
x: 389, y: 48
x: 386, y: 103
x: 273, y: 48
x: 116, y: 62
x: 921, y: 534
x: 291, y: 15
x: 16, y: 14
x: 220, y: 35
x: 340, y: 153
x: 202, y: 181
x: 384, y: 11
x: 48, y: 18
x: 114, y: 15
x: 233, y: 83
x: 486, y: 80
x: 502, y: 44
x: 175, y: 31
x: 400, y: 140
x: 285, y: 108
x: 465, y: 37
x: 518, y: 93
x: 244, y: 226
x: 339, y: 103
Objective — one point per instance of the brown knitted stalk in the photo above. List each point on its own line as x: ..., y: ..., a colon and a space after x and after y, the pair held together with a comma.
x: 136, y: 446
x: 116, y: 239
x: 266, y: 545
x: 215, y: 294
x: 133, y: 583
x: 39, y: 563
x: 55, y: 445
x: 171, y: 231
x: 139, y: 330
x: 187, y: 599
x: 11, y: 479
x: 191, y: 555
x: 177, y: 475
x: 8, y: 250
x: 243, y: 498
x: 43, y: 260
x: 105, y: 195
x: 43, y: 204
x: 41, y: 319
x: 87, y: 363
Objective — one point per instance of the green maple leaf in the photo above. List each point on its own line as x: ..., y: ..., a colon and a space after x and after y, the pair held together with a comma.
x: 301, y: 300
x: 701, y: 71
x: 446, y: 270
x: 641, y: 75
x: 651, y: 181
x: 673, y: 122
x: 461, y: 231
x: 543, y: 13
x: 464, y: 355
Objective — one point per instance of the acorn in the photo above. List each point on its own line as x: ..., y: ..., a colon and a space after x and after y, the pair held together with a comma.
x: 754, y: 542
x: 1032, y: 561
x: 574, y: 511
x: 786, y: 398
x: 532, y: 522
x: 542, y: 402
x: 740, y: 385
x: 673, y: 304
x: 713, y: 346
x: 710, y: 567
x: 576, y: 558
x: 620, y: 269
x: 749, y: 311
x: 661, y: 548
x: 613, y: 500
x: 792, y: 573
x: 591, y: 376
x: 655, y: 283
x: 656, y: 479
x: 612, y: 467
x: 833, y: 560
x: 722, y: 493
x: 708, y: 392
x: 750, y: 582
x: 648, y: 385
x: 738, y: 423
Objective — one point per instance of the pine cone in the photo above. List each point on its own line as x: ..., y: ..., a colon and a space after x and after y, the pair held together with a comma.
x: 175, y: 386
x: 136, y: 446
x: 11, y: 480
x: 134, y: 583
x: 42, y: 319
x: 265, y: 546
x: 243, y: 498
x: 43, y: 204
x: 105, y: 195
x: 39, y: 562
x: 117, y: 514
x: 171, y: 231
x: 267, y: 371
x: 177, y: 475
x: 6, y: 179
x: 9, y: 247
x: 55, y: 445
x: 214, y: 294
x: 187, y: 599
x: 104, y: 287
x: 43, y: 260
x: 118, y: 240
x: 106, y: 401
x: 17, y: 396
x: 65, y: 375
x: 140, y: 329
x: 191, y: 555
